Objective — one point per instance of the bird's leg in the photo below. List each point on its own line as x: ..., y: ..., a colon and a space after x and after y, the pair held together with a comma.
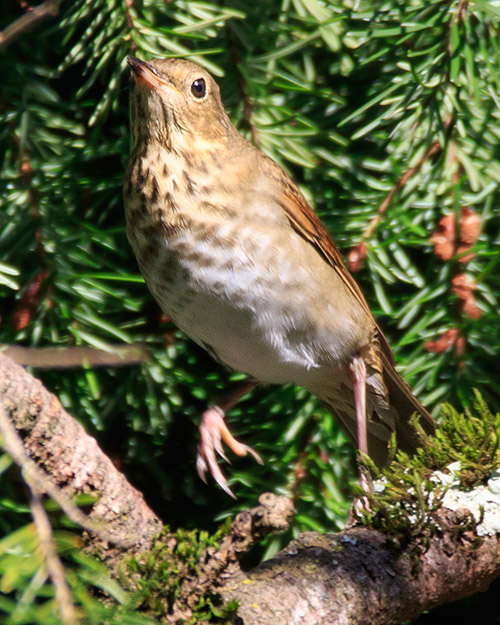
x: 213, y: 431
x: 358, y: 377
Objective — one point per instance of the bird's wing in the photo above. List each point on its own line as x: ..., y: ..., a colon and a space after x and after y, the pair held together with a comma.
x: 306, y: 223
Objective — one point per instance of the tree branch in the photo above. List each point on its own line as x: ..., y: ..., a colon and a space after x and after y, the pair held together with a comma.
x: 58, y: 444
x: 359, y: 576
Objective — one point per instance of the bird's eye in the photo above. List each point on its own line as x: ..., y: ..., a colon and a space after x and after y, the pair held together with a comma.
x: 199, y: 88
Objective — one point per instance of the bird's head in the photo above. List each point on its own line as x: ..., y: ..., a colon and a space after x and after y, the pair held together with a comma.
x: 173, y: 97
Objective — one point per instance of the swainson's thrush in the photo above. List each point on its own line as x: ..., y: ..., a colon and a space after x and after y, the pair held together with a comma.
x: 235, y: 256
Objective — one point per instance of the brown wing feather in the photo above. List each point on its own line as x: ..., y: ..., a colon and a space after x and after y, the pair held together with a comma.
x: 306, y: 223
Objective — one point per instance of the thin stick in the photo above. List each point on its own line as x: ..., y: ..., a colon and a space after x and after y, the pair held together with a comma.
x: 54, y: 565
x: 49, y: 8
x: 409, y: 173
x: 77, y: 357
x: 13, y: 446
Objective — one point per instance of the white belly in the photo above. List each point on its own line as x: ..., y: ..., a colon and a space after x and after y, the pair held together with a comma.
x: 258, y: 321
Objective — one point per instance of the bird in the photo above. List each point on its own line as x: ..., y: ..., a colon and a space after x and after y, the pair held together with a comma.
x: 235, y: 256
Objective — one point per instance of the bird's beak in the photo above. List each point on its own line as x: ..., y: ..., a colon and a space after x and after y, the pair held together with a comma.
x: 145, y: 73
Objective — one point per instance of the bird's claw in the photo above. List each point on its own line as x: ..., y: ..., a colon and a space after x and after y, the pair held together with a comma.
x: 214, y: 431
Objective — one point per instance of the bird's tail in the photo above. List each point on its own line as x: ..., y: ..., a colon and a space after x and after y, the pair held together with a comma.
x: 406, y: 405
x: 402, y: 405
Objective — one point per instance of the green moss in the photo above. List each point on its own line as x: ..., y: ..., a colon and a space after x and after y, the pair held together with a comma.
x: 171, y: 580
x: 408, y: 491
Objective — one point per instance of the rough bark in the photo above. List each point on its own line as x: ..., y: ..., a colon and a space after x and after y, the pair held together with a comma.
x: 60, y: 446
x: 358, y: 577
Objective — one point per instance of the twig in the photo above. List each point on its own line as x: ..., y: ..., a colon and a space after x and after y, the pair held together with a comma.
x: 129, y: 5
x: 357, y: 253
x: 54, y: 565
x: 74, y: 357
x: 458, y: 17
x: 49, y: 8
x: 409, y: 173
x: 14, y: 447
x: 247, y: 103
x: 434, y: 148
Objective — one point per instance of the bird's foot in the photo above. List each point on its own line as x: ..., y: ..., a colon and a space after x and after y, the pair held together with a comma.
x: 213, y: 431
x: 362, y: 503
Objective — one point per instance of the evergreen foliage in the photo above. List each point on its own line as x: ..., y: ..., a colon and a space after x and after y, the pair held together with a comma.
x: 388, y: 116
